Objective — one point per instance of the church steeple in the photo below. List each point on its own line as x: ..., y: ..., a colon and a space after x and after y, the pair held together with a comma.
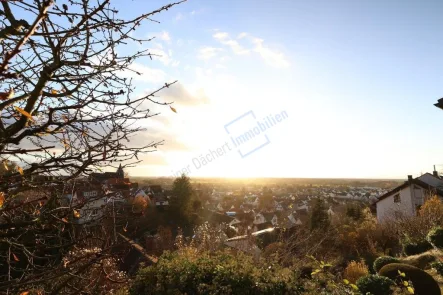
x: 120, y: 173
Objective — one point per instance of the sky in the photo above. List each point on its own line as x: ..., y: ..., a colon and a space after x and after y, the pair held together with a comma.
x: 342, y: 89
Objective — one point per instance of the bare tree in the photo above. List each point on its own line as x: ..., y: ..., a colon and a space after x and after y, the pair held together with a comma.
x: 67, y: 111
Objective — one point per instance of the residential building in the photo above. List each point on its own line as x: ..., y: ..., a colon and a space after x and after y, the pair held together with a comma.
x: 407, y: 198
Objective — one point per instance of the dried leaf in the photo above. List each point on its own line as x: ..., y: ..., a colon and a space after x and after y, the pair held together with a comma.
x: 20, y: 170
x: 5, y: 163
x: 7, y: 95
x: 2, y: 199
x: 24, y: 293
x: 76, y: 214
x: 173, y: 109
x: 53, y: 91
x: 15, y: 257
x: 64, y: 220
x: 24, y: 113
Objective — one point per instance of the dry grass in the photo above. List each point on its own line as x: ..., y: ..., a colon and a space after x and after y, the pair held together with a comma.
x: 355, y: 270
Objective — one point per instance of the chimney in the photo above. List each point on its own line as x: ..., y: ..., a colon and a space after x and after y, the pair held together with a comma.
x: 435, y: 173
x: 409, y: 178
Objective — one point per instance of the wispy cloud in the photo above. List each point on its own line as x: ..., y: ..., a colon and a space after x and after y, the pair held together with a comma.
x: 163, y: 56
x: 179, y: 94
x: 182, y: 16
x: 269, y: 55
x: 224, y: 39
x: 163, y: 36
x: 140, y: 72
x: 208, y: 52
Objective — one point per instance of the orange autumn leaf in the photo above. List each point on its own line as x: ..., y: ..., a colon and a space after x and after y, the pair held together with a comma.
x: 24, y: 113
x: 5, y: 164
x: 76, y: 214
x: 53, y: 91
x: 24, y: 293
x: 2, y: 199
x: 20, y: 170
x: 15, y: 257
x: 64, y: 220
x: 173, y: 109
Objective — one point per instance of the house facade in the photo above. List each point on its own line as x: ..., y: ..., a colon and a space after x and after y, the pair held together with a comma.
x: 407, y: 198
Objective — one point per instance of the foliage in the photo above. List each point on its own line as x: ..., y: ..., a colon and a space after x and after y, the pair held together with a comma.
x: 414, y: 248
x: 323, y: 281
x: 194, y: 272
x: 438, y: 266
x: 422, y: 282
x: 384, y: 260
x: 139, y: 204
x: 319, y: 219
x: 354, y: 211
x: 435, y: 237
x: 422, y: 261
x: 181, y: 201
x: 375, y: 285
x: 432, y: 211
x: 355, y: 270
x: 67, y: 111
x: 266, y: 200
x: 209, y: 237
x: 360, y: 239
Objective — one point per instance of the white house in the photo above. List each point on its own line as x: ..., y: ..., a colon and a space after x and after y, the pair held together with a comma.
x: 274, y: 220
x: 409, y: 196
x: 259, y: 219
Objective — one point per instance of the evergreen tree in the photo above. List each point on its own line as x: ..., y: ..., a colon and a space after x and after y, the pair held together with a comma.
x: 319, y: 216
x: 181, y: 201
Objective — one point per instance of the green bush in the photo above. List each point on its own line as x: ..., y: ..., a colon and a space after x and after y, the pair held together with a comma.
x: 438, y: 266
x: 422, y: 282
x: 382, y: 261
x: 192, y: 272
x: 435, y: 237
x: 414, y: 248
x: 375, y: 285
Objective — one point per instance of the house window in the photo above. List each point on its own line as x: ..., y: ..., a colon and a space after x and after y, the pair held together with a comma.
x: 94, y: 212
x: 397, y: 198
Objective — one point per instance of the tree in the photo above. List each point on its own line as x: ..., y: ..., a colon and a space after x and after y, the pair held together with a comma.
x: 67, y: 111
x: 319, y: 218
x: 354, y: 211
x: 181, y: 202
x: 266, y: 200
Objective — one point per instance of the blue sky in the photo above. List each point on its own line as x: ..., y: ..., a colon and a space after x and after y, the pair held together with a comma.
x: 358, y: 80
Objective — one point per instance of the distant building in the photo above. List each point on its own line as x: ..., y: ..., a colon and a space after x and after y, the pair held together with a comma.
x: 408, y: 197
x: 103, y: 177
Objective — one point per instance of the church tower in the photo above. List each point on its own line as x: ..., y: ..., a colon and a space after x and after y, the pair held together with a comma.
x: 120, y: 173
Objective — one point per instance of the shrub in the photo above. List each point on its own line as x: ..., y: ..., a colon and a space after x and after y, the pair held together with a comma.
x: 382, y: 261
x: 422, y: 261
x: 438, y: 266
x: 422, y: 282
x: 375, y: 285
x: 435, y: 237
x: 355, y: 270
x: 195, y: 272
x: 414, y: 248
